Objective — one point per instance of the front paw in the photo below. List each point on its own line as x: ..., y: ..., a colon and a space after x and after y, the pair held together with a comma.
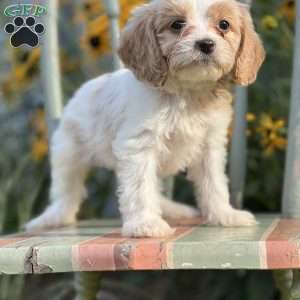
x: 151, y: 226
x: 232, y: 218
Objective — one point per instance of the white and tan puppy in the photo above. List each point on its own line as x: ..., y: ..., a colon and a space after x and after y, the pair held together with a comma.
x: 168, y: 111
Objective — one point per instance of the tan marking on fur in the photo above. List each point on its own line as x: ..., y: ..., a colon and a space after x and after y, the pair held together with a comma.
x: 139, y: 48
x: 224, y: 11
x: 251, y: 54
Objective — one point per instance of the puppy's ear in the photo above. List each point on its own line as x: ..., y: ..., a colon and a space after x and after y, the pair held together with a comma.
x: 251, y: 53
x: 139, y: 47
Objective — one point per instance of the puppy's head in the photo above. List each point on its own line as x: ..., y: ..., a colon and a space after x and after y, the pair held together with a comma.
x: 192, y: 40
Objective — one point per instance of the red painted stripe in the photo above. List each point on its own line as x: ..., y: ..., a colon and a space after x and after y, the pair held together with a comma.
x: 96, y: 254
x: 152, y: 254
x: 283, y: 245
x: 145, y: 254
x: 114, y: 252
x: 9, y: 241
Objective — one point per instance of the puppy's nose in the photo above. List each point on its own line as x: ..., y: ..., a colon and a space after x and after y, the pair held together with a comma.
x: 206, y: 46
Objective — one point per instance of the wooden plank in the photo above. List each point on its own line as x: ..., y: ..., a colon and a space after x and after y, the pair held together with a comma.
x: 99, y: 246
x: 223, y: 248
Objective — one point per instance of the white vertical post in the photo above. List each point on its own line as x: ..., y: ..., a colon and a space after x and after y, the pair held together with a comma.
x: 291, y: 191
x: 238, y: 148
x: 113, y: 11
x: 50, y: 65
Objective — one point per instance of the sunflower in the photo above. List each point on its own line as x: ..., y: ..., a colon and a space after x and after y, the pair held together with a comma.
x: 272, y: 133
x: 96, y: 40
x: 25, y: 68
x: 92, y: 8
x: 126, y: 9
x: 288, y: 10
x: 28, y: 66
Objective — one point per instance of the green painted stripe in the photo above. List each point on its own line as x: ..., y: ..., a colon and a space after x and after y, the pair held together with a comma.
x: 52, y: 250
x: 56, y: 253
x: 12, y: 260
x: 221, y: 248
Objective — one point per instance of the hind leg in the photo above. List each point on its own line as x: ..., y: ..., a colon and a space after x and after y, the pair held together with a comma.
x: 68, y: 173
x: 174, y: 210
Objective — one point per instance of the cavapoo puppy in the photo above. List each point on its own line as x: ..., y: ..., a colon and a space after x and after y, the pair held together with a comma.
x: 167, y: 111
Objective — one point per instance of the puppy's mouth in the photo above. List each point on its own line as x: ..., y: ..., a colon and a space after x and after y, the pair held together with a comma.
x: 207, y: 60
x: 204, y: 61
x: 203, y: 68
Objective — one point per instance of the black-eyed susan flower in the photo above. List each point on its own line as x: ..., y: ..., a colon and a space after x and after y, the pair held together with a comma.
x: 96, y: 40
x: 88, y: 10
x: 28, y: 66
x: 127, y: 6
x: 288, y: 10
x: 24, y: 70
x: 92, y: 8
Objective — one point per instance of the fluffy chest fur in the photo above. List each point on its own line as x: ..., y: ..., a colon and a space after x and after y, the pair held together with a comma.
x: 187, y: 128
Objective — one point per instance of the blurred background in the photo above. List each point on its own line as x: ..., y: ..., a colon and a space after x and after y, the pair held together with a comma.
x: 85, y: 53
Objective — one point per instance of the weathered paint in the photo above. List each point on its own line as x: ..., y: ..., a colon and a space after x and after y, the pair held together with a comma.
x: 99, y: 246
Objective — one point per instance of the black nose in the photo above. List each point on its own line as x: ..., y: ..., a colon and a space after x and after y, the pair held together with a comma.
x: 206, y: 46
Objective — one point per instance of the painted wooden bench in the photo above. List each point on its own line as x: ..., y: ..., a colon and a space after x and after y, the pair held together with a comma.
x: 98, y: 246
x: 274, y: 244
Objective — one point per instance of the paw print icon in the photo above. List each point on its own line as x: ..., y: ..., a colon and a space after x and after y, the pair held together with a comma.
x: 24, y: 31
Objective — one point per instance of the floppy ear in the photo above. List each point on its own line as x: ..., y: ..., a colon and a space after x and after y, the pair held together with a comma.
x: 139, y: 48
x: 251, y: 53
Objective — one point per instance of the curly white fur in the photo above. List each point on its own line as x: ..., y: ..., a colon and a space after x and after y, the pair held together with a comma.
x: 149, y: 126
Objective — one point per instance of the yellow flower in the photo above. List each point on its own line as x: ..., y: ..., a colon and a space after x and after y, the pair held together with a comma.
x: 68, y: 63
x: 250, y: 117
x: 39, y: 149
x: 288, y: 10
x: 27, y: 66
x: 39, y: 145
x: 92, y: 8
x: 38, y: 123
x: 272, y: 134
x: 7, y: 89
x: 126, y: 8
x: 96, y: 40
x: 269, y: 22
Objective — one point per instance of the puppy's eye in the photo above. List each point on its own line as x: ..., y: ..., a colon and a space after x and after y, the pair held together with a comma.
x: 178, y: 25
x: 224, y: 25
